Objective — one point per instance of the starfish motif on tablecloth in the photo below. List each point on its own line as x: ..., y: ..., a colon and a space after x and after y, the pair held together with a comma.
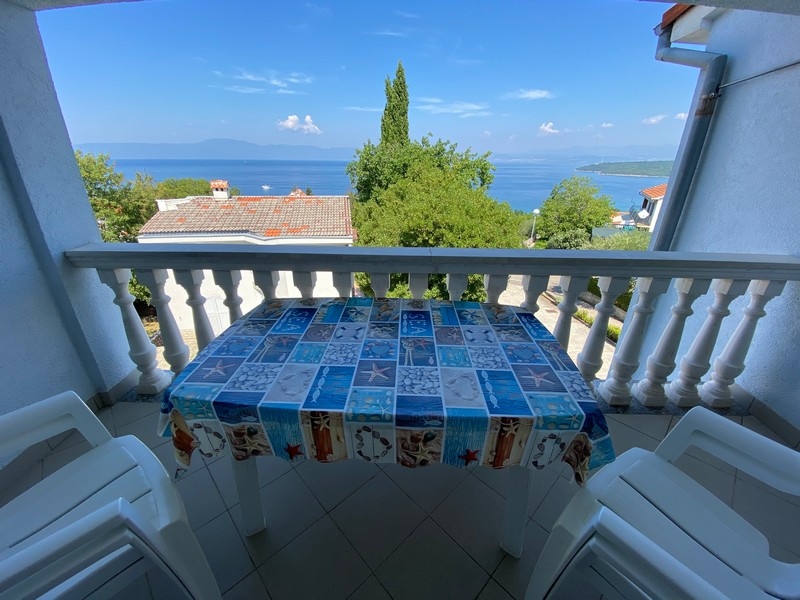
x: 218, y: 369
x: 538, y: 378
x: 377, y: 372
x: 252, y: 445
x: 293, y: 451
x: 421, y: 453
x: 469, y: 456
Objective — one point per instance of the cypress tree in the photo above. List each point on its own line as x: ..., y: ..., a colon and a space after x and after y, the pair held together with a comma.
x: 394, y: 121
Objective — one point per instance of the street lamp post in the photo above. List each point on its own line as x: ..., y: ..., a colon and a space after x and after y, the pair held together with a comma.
x: 533, y: 228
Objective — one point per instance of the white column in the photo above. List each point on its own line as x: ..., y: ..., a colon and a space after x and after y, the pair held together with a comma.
x: 661, y: 363
x: 305, y: 281
x: 418, y: 284
x: 191, y: 280
x: 571, y: 287
x: 267, y: 281
x: 591, y: 357
x: 616, y: 390
x: 343, y: 282
x: 456, y: 285
x: 534, y: 286
x: 380, y: 284
x: 229, y: 282
x: 142, y: 351
x: 494, y: 286
x: 176, y: 352
x: 683, y: 390
x: 716, y: 392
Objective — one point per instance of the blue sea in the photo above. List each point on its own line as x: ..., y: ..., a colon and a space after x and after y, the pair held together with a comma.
x: 523, y: 184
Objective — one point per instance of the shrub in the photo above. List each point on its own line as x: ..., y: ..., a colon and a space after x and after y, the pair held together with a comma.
x: 624, y: 299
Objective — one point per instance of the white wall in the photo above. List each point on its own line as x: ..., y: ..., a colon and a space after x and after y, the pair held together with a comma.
x: 746, y: 195
x: 60, y: 328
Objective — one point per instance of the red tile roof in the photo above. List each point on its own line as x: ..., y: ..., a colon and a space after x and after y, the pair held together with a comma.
x: 262, y: 216
x: 218, y: 183
x: 657, y: 192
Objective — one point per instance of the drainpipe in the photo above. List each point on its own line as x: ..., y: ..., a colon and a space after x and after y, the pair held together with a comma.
x: 712, y: 68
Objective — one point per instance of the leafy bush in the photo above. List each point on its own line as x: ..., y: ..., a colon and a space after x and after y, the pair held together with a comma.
x: 624, y: 299
x: 624, y: 240
x: 568, y: 240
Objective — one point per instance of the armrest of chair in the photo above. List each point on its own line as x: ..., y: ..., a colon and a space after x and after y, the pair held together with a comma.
x: 746, y: 450
x: 36, y: 422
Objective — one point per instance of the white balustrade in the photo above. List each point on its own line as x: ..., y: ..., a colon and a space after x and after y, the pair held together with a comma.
x: 590, y: 359
x: 380, y: 284
x: 229, y: 282
x: 305, y: 282
x: 683, y: 390
x: 191, y: 280
x: 716, y: 392
x: 267, y: 282
x: 176, y: 352
x: 494, y: 286
x: 534, y: 286
x: 661, y: 363
x: 418, y: 284
x: 456, y: 285
x: 142, y: 351
x: 343, y: 283
x: 616, y: 389
x: 571, y: 287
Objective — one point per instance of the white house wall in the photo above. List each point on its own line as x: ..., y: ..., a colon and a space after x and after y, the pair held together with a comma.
x: 745, y: 195
x: 61, y: 330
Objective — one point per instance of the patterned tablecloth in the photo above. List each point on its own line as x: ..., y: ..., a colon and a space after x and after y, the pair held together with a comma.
x: 414, y: 382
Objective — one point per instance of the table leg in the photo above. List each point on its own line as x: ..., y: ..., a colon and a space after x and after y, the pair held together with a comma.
x: 246, y: 476
x: 520, y: 482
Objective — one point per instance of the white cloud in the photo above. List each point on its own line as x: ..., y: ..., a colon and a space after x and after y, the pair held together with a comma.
x: 681, y: 116
x: 406, y: 15
x: 527, y: 95
x: 218, y: 73
x: 244, y: 89
x: 294, y: 123
x: 363, y: 108
x: 291, y: 92
x: 548, y: 129
x: 486, y: 133
x: 282, y: 82
x: 606, y: 125
x: 427, y: 100
x: 388, y: 33
x: 654, y: 120
x: 461, y: 109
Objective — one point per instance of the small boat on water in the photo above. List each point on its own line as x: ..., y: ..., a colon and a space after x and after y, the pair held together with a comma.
x: 266, y: 188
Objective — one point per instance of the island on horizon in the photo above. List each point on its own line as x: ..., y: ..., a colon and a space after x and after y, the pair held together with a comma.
x: 642, y: 168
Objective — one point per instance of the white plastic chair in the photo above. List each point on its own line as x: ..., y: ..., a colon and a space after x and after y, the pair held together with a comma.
x: 679, y: 516
x: 99, y: 522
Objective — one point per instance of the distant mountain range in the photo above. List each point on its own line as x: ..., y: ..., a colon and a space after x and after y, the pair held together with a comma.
x: 228, y: 149
x: 641, y: 168
x: 217, y: 149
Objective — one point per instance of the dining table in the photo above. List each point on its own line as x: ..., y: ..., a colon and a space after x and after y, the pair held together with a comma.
x: 388, y: 380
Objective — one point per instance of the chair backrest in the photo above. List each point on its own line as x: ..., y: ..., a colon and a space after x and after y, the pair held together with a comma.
x: 81, y: 558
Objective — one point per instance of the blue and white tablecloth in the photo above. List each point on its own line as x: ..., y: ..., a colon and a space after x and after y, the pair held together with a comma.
x: 414, y: 382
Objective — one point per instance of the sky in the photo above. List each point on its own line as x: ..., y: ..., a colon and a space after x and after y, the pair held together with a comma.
x: 508, y: 77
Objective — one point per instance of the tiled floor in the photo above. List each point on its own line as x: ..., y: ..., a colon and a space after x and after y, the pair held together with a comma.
x: 354, y: 530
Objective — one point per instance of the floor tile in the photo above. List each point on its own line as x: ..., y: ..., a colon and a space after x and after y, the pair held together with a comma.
x: 513, y: 574
x: 57, y: 459
x: 161, y: 586
x: 166, y: 454
x: 626, y: 437
x: 493, y: 591
x: 145, y: 430
x: 320, y: 563
x: 655, y: 426
x: 201, y: 498
x: 429, y: 485
x: 774, y: 517
x: 377, y: 518
x: 289, y: 509
x: 429, y: 564
x: 249, y: 588
x: 473, y: 516
x: 269, y: 469
x: 371, y: 589
x: 225, y: 551
x: 127, y: 412
x: 554, y: 503
x: 333, y: 482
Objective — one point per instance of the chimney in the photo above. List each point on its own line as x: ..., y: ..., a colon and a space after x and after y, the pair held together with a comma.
x: 220, y: 189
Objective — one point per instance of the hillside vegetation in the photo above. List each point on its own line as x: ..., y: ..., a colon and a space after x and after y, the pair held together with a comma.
x: 643, y: 168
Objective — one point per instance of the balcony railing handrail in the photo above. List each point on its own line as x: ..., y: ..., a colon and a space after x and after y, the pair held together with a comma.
x: 436, y: 260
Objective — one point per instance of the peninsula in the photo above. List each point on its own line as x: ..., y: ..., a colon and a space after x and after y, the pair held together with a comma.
x: 643, y: 168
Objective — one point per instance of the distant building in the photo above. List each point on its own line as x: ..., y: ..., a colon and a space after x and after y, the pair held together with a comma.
x: 293, y: 219
x: 647, y: 216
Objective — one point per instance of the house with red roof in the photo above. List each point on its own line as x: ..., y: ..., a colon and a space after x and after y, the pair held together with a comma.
x: 294, y: 219
x: 652, y: 198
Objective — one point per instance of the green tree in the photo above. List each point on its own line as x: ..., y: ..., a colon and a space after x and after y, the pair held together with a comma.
x: 638, y: 239
x: 394, y: 121
x: 574, y: 204
x: 181, y: 188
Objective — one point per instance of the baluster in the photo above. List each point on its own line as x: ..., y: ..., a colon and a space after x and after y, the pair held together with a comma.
x: 572, y: 287
x: 380, y: 284
x: 343, y: 282
x: 650, y: 390
x: 267, y: 281
x: 534, y: 286
x: 590, y: 358
x: 418, y: 284
x: 191, y: 280
x: 176, y: 352
x: 716, y: 392
x: 683, y: 390
x: 305, y: 282
x: 494, y: 286
x: 616, y: 390
x: 229, y: 282
x: 142, y: 351
x: 456, y: 285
